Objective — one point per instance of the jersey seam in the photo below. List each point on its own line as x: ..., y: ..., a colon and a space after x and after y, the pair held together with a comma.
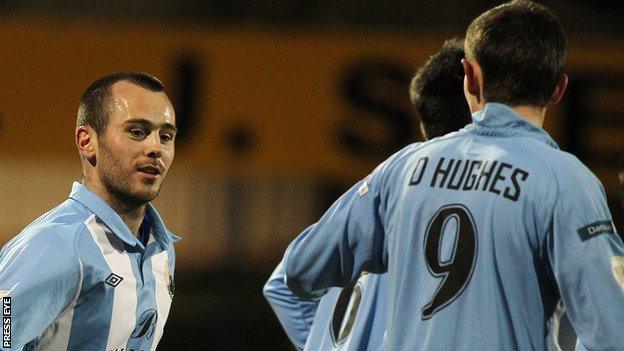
x: 78, y: 288
x: 78, y: 285
x: 81, y: 228
x: 547, y: 166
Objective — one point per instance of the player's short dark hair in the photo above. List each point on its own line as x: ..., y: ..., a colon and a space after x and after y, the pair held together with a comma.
x: 437, y: 91
x: 521, y: 48
x: 94, y: 103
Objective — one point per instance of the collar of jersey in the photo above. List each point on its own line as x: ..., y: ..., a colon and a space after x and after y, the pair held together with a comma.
x: 501, y: 120
x: 113, y: 221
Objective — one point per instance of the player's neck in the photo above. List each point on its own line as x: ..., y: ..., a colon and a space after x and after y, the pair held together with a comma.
x: 532, y: 114
x: 131, y: 214
x: 133, y: 218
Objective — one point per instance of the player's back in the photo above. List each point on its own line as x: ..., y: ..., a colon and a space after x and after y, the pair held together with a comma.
x: 467, y: 223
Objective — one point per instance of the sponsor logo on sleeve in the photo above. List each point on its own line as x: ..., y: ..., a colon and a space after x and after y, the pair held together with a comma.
x: 617, y: 267
x: 594, y: 229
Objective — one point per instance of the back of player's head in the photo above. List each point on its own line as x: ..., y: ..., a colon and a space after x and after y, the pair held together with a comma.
x: 437, y: 91
x: 521, y: 49
x: 94, y: 103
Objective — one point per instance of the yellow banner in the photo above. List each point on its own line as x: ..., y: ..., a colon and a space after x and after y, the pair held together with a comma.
x: 300, y: 102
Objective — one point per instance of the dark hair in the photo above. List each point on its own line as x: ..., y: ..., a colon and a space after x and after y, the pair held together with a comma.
x: 437, y: 91
x: 94, y: 103
x: 521, y: 49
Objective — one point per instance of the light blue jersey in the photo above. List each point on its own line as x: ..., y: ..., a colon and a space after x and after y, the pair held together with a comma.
x: 361, y: 326
x: 78, y: 279
x: 352, y: 318
x: 482, y: 232
x: 294, y: 314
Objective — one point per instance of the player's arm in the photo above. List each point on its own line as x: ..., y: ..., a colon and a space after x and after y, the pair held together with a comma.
x: 348, y: 239
x: 587, y: 258
x: 294, y: 314
x: 41, y: 278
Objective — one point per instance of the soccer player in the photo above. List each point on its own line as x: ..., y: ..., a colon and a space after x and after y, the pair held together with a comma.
x: 437, y: 95
x: 96, y: 272
x: 485, y: 230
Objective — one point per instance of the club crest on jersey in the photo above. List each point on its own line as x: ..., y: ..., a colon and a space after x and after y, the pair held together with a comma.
x: 169, y: 279
x: 617, y: 267
x: 363, y: 188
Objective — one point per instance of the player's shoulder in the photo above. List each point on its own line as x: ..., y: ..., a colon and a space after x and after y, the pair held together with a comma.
x: 567, y: 170
x: 439, y: 143
x: 56, y: 229
x: 404, y: 153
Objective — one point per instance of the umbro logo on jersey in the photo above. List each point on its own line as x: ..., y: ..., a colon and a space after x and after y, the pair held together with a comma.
x: 113, y: 280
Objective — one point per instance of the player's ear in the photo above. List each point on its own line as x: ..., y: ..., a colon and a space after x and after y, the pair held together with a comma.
x: 86, y: 142
x: 559, y: 89
x: 471, y: 79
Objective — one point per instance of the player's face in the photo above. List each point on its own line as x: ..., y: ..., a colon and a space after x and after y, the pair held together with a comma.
x: 136, y: 149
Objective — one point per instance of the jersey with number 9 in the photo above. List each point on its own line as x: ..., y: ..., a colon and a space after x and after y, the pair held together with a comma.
x: 482, y: 233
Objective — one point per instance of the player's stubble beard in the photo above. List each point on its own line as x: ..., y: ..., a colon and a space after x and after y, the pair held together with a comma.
x: 117, y: 180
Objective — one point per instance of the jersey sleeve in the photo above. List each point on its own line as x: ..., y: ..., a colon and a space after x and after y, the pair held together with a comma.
x: 294, y: 314
x: 348, y: 239
x: 41, y: 277
x: 587, y: 259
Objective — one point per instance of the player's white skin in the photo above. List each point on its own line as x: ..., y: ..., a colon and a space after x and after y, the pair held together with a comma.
x: 127, y: 163
x: 473, y: 89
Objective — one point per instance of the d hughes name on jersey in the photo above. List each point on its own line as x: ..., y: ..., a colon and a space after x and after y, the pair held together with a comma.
x: 497, y: 177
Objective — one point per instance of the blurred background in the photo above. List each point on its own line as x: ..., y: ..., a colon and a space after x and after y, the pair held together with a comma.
x: 282, y: 105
